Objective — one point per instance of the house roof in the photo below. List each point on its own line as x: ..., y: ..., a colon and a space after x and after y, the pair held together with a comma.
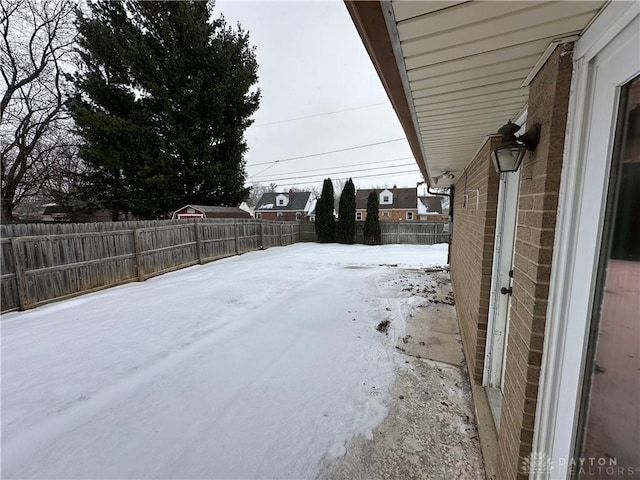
x: 53, y: 209
x: 456, y: 71
x: 297, y: 201
x: 215, y: 211
x: 405, y: 198
x: 431, y: 205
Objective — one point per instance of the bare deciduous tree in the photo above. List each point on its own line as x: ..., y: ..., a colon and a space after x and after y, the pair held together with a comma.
x: 257, y: 190
x: 37, y: 40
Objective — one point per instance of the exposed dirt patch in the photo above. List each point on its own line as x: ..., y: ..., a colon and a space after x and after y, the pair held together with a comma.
x: 383, y: 326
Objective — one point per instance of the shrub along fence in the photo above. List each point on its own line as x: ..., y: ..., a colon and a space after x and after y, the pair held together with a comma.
x: 42, y: 263
x: 414, y: 233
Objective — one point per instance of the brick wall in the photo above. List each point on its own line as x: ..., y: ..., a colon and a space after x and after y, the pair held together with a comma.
x: 394, y: 215
x: 286, y: 216
x: 538, y: 202
x: 472, y: 253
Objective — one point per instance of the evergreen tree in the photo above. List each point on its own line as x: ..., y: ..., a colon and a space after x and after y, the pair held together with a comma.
x: 372, y: 233
x: 325, y: 221
x: 162, y: 102
x: 346, y: 228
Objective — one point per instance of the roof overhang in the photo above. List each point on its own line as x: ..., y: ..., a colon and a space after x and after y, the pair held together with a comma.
x: 457, y: 71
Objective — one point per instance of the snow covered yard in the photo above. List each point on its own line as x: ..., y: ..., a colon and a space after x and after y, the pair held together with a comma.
x: 259, y: 366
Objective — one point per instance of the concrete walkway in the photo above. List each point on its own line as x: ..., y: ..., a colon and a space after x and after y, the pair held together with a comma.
x: 430, y: 431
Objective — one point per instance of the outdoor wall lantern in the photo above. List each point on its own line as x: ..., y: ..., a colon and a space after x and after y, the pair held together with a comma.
x: 508, y: 156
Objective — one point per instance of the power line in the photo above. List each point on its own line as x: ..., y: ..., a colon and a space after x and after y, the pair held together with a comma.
x: 264, y: 170
x: 340, y: 173
x: 406, y: 172
x: 327, y: 153
x: 329, y: 168
x: 319, y: 114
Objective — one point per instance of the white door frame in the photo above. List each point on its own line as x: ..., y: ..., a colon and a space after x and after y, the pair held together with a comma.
x: 499, y: 304
x: 503, y: 250
x: 581, y: 208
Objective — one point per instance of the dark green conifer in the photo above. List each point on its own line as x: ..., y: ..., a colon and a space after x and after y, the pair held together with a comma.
x: 346, y: 228
x: 372, y: 232
x: 163, y: 97
x: 325, y: 220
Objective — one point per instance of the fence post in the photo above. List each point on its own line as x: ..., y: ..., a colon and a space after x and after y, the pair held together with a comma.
x: 137, y: 242
x: 235, y: 231
x: 281, y: 233
x: 398, y: 232
x: 196, y: 226
x: 21, y: 279
x: 261, y: 239
x: 291, y: 233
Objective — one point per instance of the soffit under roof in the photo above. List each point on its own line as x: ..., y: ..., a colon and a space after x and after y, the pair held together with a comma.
x: 465, y: 63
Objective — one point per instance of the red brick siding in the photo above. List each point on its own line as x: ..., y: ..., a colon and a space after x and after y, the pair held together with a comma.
x: 395, y: 215
x: 286, y: 216
x: 472, y: 253
x: 537, y: 207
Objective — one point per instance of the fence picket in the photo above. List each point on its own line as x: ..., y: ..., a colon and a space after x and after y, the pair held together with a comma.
x: 21, y: 279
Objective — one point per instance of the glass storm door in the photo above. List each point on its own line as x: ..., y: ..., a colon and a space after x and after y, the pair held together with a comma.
x: 609, y: 430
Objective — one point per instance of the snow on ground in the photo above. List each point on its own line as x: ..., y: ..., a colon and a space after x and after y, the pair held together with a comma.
x: 257, y: 366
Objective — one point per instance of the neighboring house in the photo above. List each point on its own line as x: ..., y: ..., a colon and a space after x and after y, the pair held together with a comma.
x: 545, y: 257
x: 53, y: 212
x: 247, y: 208
x: 395, y: 204
x: 430, y: 209
x: 311, y: 216
x: 206, y: 211
x: 287, y: 207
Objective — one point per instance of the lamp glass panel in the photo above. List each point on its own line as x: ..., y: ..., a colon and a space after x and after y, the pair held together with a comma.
x: 494, y: 160
x: 509, y: 158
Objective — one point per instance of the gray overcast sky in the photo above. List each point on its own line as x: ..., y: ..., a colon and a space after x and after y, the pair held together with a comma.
x: 312, y: 62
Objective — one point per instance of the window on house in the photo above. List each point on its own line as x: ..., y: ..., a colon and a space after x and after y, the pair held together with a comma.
x: 190, y: 210
x: 385, y: 214
x: 298, y: 216
x: 279, y: 214
x: 259, y: 215
x: 312, y: 219
x: 385, y: 198
x: 409, y: 215
x: 281, y: 201
x: 358, y: 215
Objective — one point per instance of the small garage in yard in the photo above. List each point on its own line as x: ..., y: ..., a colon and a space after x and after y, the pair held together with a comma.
x: 207, y: 211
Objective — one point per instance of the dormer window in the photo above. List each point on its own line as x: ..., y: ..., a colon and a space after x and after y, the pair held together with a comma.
x: 282, y: 200
x: 385, y: 197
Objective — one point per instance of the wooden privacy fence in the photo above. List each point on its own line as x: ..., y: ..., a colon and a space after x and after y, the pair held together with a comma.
x: 414, y: 233
x: 40, y: 266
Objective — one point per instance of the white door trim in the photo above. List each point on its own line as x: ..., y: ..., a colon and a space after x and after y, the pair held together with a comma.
x: 578, y: 230
x: 499, y: 304
x: 489, y: 377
